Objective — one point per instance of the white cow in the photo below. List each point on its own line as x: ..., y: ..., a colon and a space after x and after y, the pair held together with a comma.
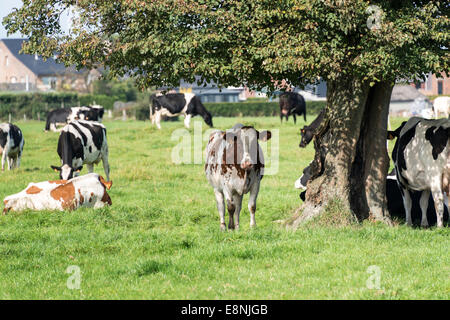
x: 441, y: 105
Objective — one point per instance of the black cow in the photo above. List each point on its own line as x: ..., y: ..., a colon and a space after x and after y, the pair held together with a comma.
x: 292, y: 103
x: 11, y: 145
x: 175, y: 104
x: 82, y: 142
x: 307, y: 132
x: 57, y: 117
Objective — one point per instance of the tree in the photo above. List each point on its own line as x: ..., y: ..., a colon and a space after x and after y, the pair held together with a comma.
x: 359, y: 47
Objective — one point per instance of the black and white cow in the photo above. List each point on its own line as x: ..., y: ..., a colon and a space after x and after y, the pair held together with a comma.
x: 292, y: 103
x: 235, y: 166
x: 175, y: 104
x: 393, y: 196
x: 82, y: 142
x: 422, y: 162
x: 11, y: 145
x: 307, y: 132
x: 63, y: 116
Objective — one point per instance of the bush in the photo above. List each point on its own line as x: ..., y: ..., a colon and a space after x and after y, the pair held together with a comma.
x: 237, y: 109
x: 104, y: 100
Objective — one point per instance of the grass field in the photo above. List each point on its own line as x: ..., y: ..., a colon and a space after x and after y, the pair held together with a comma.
x: 161, y: 238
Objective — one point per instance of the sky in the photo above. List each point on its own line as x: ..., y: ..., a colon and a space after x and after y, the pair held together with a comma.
x: 6, y: 7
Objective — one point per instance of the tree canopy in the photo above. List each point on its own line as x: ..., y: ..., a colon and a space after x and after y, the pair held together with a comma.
x: 233, y: 42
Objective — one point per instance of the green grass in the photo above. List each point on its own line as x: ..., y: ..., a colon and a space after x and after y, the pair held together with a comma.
x: 161, y: 238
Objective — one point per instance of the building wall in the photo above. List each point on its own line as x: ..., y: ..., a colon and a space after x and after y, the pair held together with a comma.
x: 12, y: 70
x: 431, y: 86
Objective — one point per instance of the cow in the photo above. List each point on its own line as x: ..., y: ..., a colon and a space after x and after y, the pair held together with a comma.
x: 81, y: 142
x: 421, y: 157
x: 11, y: 145
x: 441, y: 105
x: 235, y: 166
x: 175, y: 104
x: 292, y: 103
x: 91, y: 113
x: 83, y: 191
x: 393, y: 195
x: 307, y: 132
x: 57, y: 117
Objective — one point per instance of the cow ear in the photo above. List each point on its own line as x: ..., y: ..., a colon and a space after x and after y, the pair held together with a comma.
x: 55, y: 168
x: 391, y: 135
x: 78, y: 169
x: 264, y: 135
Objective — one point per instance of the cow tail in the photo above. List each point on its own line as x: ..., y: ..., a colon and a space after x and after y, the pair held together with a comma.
x: 47, y: 124
x: 304, y: 115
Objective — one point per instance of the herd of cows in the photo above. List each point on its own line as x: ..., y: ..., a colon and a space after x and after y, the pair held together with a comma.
x: 234, y: 161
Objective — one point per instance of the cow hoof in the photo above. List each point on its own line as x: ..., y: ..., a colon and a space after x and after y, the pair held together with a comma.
x: 223, y: 227
x: 424, y: 225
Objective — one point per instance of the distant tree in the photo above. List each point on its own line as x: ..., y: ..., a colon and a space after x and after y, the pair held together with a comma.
x: 359, y: 47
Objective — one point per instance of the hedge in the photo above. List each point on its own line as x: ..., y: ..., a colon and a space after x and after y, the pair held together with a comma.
x: 36, y: 105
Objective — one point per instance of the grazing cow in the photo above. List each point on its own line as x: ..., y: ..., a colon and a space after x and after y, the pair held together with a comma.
x: 11, y: 145
x: 235, y: 166
x: 307, y: 132
x: 84, y: 191
x: 57, y: 117
x: 92, y: 113
x: 441, y: 105
x: 422, y: 163
x: 175, y: 104
x: 292, y: 103
x: 82, y: 142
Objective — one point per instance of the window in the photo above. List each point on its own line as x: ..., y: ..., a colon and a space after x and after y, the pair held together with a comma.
x: 13, y: 80
x: 440, y: 87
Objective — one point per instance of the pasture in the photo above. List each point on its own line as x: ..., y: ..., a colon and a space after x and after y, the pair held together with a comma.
x: 161, y: 238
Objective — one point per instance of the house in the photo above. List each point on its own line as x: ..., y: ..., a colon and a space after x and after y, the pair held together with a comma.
x: 434, y: 85
x: 25, y: 72
x: 406, y: 101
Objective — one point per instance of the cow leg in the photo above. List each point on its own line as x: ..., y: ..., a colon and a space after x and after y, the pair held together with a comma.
x: 237, y: 199
x: 407, y: 203
x: 221, y: 208
x: 4, y: 159
x: 187, y: 120
x: 10, y: 162
x: 439, y: 207
x: 231, y: 209
x: 252, y: 203
x: 158, y: 119
x: 281, y: 117
x: 295, y: 118
x: 423, y: 207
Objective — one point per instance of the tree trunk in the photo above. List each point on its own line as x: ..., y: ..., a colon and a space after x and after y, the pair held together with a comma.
x: 351, y: 160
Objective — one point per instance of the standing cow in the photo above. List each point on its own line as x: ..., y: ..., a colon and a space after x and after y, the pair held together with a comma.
x: 422, y: 162
x: 441, y: 105
x: 292, y: 103
x: 175, y: 104
x: 11, y: 145
x: 82, y: 142
x: 235, y: 166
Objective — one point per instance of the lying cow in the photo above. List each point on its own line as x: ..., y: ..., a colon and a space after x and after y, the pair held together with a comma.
x: 422, y: 163
x: 441, y: 105
x: 11, y: 145
x: 175, y: 104
x: 235, y: 166
x: 82, y: 142
x: 307, y: 132
x: 84, y: 191
x: 292, y: 103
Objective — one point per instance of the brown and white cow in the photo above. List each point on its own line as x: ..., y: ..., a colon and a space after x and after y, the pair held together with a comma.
x: 84, y: 191
x: 235, y: 166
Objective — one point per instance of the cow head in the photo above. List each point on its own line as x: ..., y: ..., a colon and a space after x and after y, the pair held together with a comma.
x: 66, y: 172
x: 244, y: 142
x: 208, y: 119
x: 306, y: 137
